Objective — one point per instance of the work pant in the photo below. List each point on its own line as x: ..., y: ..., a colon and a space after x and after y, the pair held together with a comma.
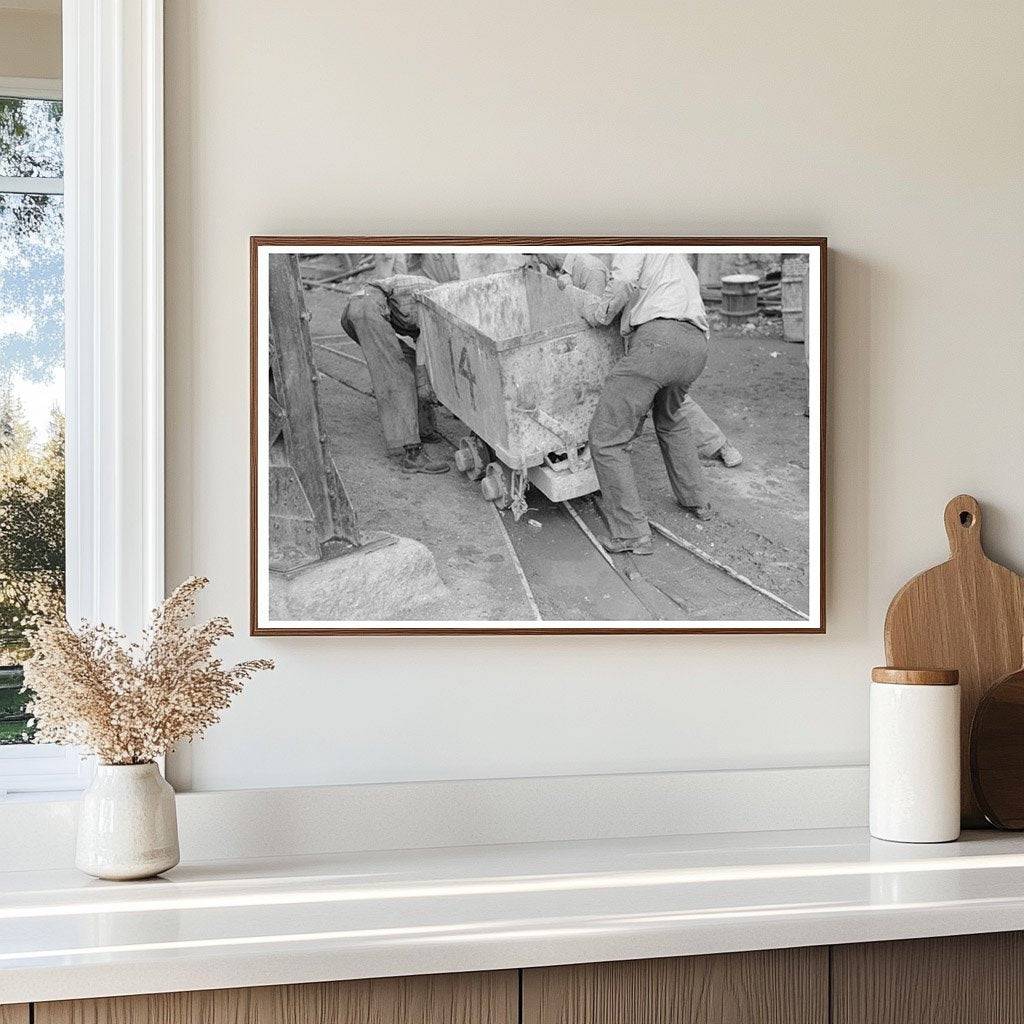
x: 707, y: 435
x: 665, y: 357
x: 374, y: 319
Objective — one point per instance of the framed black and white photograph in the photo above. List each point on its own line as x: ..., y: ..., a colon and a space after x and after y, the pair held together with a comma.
x: 537, y: 435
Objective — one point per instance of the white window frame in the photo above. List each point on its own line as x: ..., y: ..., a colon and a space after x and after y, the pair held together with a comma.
x: 114, y: 325
x: 32, y: 88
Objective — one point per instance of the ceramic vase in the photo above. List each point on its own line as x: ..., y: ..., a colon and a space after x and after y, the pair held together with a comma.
x: 127, y: 825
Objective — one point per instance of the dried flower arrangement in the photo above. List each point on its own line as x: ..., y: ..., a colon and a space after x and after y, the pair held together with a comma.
x: 129, y: 703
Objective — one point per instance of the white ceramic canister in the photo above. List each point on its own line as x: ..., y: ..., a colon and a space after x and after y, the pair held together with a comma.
x: 915, y: 755
x: 127, y: 825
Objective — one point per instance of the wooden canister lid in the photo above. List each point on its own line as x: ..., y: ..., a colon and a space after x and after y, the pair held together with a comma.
x: 916, y: 676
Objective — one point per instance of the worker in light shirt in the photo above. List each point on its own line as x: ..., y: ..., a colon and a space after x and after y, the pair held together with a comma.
x: 666, y: 332
x: 590, y: 273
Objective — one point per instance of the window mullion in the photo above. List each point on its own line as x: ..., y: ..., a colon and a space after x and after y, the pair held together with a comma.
x: 32, y: 186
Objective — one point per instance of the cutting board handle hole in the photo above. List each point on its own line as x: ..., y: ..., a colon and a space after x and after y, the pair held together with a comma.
x: 962, y: 518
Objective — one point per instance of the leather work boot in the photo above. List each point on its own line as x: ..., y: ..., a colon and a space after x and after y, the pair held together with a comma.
x: 426, y: 400
x: 413, y: 459
x: 701, y: 512
x: 729, y: 455
x: 635, y: 545
x: 428, y: 424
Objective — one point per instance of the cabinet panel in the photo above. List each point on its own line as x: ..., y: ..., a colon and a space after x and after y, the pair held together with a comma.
x: 14, y: 1013
x: 778, y: 986
x: 962, y: 979
x: 490, y: 998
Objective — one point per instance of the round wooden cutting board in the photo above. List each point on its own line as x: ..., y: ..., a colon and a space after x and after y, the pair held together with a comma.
x: 997, y: 752
x: 967, y: 614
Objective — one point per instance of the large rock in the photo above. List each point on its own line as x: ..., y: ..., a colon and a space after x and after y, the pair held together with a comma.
x: 384, y: 581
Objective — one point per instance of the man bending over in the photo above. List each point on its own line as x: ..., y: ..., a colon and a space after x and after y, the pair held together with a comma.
x: 375, y: 317
x: 589, y: 273
x: 666, y: 333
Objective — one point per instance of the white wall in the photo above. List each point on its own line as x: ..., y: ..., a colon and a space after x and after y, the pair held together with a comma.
x: 895, y: 129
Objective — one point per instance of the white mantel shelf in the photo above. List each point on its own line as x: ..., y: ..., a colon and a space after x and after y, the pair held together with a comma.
x: 266, y: 922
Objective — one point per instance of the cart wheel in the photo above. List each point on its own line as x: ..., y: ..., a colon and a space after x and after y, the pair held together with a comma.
x: 496, y: 485
x: 472, y: 457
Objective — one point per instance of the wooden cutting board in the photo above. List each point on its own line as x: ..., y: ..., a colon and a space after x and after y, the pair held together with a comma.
x: 997, y: 752
x: 967, y: 614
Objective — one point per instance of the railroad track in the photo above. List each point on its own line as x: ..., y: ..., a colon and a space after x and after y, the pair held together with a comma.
x: 570, y: 576
x: 632, y: 564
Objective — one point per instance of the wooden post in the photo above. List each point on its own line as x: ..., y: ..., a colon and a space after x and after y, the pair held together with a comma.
x: 335, y: 528
x: 709, y: 273
x: 793, y: 295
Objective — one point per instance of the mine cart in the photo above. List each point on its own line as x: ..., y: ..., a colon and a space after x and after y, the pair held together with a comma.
x: 511, y: 357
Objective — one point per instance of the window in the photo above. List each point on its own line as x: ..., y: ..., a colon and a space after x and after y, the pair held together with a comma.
x: 32, y: 514
x: 99, y: 161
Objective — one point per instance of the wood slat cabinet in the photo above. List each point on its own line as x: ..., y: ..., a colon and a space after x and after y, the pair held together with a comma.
x: 483, y: 998
x: 969, y: 979
x: 966, y: 979
x: 962, y: 979
x: 775, y: 986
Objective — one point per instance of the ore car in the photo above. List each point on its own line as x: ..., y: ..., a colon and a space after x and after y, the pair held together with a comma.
x: 510, y: 355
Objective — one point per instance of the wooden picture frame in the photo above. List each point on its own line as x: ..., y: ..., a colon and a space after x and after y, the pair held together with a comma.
x: 264, y: 623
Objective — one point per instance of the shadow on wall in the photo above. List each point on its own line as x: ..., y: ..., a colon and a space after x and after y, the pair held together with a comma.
x: 853, y: 286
